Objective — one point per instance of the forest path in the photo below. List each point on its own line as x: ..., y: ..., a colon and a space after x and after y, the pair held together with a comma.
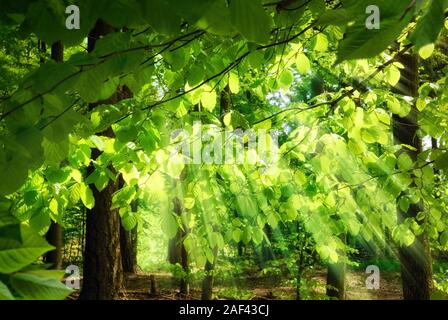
x: 137, y: 288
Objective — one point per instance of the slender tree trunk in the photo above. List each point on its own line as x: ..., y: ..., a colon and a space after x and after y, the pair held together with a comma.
x: 174, y: 249
x: 128, y: 243
x: 184, y: 287
x: 184, y: 282
x: 266, y: 248
x: 103, y: 268
x: 54, y: 238
x: 207, y: 282
x: 54, y: 233
x: 300, y: 262
x: 416, y: 265
x: 336, y: 276
x: 42, y: 50
x: 335, y: 271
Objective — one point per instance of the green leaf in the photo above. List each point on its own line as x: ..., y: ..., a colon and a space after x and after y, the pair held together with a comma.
x: 161, y: 16
x: 257, y: 235
x: 23, y: 151
x: 123, y: 197
x: 393, y: 76
x: 361, y: 43
x: 429, y: 27
x: 217, y: 20
x: 442, y: 161
x: 40, y: 220
x: 397, y: 107
x: 57, y: 175
x: 95, y: 84
x: 426, y: 51
x: 177, y: 59
x: 129, y: 219
x: 15, y: 255
x: 251, y: 20
x: 191, y: 10
x: 246, y: 206
x: 87, y: 197
x: 7, y: 218
x: 320, y: 43
x: 335, y: 17
x: 303, y: 63
x: 169, y: 226
x: 236, y: 235
x: 234, y: 83
x: 421, y: 104
x: 404, y: 162
x: 195, y: 76
x: 130, y: 174
x: 444, y: 238
x: 30, y: 197
x: 100, y: 178
x: 5, y: 294
x: 13, y: 172
x: 286, y: 79
x: 55, y: 152
x: 317, y: 7
x: 11, y: 232
x: 208, y: 99
x: 189, y: 203
x: 33, y: 287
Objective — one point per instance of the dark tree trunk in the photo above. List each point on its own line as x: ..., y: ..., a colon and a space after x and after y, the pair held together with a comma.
x: 103, y: 268
x: 184, y: 287
x: 174, y: 255
x: 300, y: 269
x: 266, y: 248
x: 42, y: 51
x: 54, y: 238
x: 207, y: 282
x: 128, y: 243
x: 300, y: 261
x: 416, y: 268
x: 184, y: 282
x: 57, y: 51
x: 336, y: 276
x: 240, y: 247
x: 336, y: 280
x: 54, y: 233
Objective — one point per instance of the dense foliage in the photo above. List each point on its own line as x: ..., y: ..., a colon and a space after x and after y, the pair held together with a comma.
x: 329, y: 90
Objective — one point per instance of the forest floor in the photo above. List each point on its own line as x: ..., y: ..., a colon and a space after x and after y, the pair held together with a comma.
x: 262, y: 288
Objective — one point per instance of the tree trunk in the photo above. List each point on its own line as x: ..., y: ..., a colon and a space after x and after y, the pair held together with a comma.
x: 207, y: 282
x: 336, y: 280
x: 184, y: 282
x: 336, y: 277
x: 416, y: 268
x: 184, y: 287
x: 54, y: 238
x: 103, y: 269
x: 54, y: 233
x: 128, y: 243
x: 300, y: 261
